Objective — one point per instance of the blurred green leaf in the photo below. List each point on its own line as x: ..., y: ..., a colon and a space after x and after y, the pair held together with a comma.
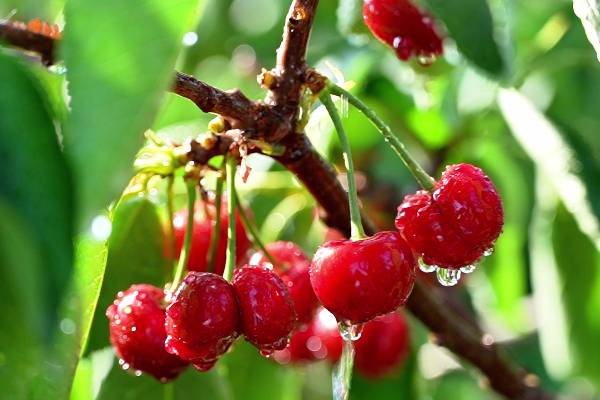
x: 401, y: 385
x: 470, y: 24
x: 75, y: 314
x: 22, y: 299
x: 458, y: 385
x: 578, y: 265
x: 350, y: 17
x: 120, y: 58
x: 554, y: 158
x: 191, y: 385
x: 36, y: 180
x: 253, y: 377
x: 135, y: 255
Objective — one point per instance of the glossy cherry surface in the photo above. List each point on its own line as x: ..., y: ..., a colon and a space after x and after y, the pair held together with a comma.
x: 137, y: 333
x: 202, y: 319
x: 292, y: 267
x: 204, y: 220
x: 455, y: 225
x: 404, y: 27
x: 382, y: 347
x: 267, y: 311
x: 358, y: 281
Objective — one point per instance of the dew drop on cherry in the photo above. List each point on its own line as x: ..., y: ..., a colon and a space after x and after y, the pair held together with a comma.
x: 426, y: 267
x: 488, y: 252
x: 448, y: 276
x: 426, y: 60
x: 467, y: 269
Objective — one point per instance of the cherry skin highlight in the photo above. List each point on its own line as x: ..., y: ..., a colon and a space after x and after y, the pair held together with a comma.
x: 405, y: 28
x: 358, y: 281
x: 137, y: 332
x: 266, y: 308
x: 383, y: 346
x: 201, y: 237
x: 455, y: 225
x: 292, y: 267
x: 202, y: 319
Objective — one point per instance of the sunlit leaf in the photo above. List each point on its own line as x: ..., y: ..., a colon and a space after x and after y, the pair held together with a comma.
x: 120, y: 58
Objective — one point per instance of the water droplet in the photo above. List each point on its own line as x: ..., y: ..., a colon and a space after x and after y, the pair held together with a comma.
x: 137, y: 372
x: 448, y: 276
x: 425, y: 267
x: 488, y: 252
x: 57, y: 69
x: 125, y: 366
x: 467, y: 269
x: 121, y: 361
x: 266, y: 353
x: 426, y: 60
x: 349, y: 331
x: 342, y: 372
x: 344, y: 106
x: 127, y: 309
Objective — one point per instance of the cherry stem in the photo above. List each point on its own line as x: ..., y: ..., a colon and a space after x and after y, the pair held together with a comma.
x: 251, y: 227
x: 356, y: 229
x: 187, y: 241
x: 171, y: 211
x: 426, y: 181
x: 216, y: 233
x: 230, y: 260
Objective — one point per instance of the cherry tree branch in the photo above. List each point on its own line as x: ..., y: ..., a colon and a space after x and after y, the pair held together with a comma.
x: 274, y: 121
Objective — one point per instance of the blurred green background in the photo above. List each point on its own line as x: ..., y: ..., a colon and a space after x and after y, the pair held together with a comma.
x: 531, y: 122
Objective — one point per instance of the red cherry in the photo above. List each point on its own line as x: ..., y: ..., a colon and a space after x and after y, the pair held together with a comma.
x: 201, y: 239
x: 455, y: 226
x: 202, y: 319
x: 382, y: 347
x: 266, y: 308
x: 137, y: 333
x: 401, y: 25
x: 292, y: 268
x: 319, y: 340
x: 358, y: 281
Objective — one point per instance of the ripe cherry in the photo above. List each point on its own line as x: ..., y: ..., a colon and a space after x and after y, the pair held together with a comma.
x: 266, y: 308
x: 320, y: 340
x: 382, y: 347
x: 454, y: 226
x: 404, y: 27
x: 202, y: 319
x: 358, y: 281
x: 204, y: 220
x: 137, y: 333
x: 292, y: 268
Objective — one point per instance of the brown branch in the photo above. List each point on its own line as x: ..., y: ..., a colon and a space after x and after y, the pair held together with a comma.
x: 275, y: 122
x: 17, y: 35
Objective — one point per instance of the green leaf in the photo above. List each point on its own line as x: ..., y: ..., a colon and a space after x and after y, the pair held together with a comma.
x: 191, y: 385
x: 401, y: 385
x: 120, y: 57
x: 35, y: 179
x: 135, y: 255
x: 470, y: 24
x: 554, y: 158
x: 578, y: 262
x: 589, y: 13
x: 250, y: 374
x: 76, y: 313
x: 22, y: 299
x: 350, y: 18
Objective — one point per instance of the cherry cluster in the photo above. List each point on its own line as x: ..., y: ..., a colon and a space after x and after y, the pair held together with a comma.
x: 360, y: 282
x: 383, y: 346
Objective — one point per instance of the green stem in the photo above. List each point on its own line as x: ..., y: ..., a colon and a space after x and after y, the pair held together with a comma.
x: 251, y: 227
x: 230, y: 260
x: 216, y: 233
x: 356, y: 228
x: 171, y: 211
x: 426, y: 181
x: 187, y: 241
